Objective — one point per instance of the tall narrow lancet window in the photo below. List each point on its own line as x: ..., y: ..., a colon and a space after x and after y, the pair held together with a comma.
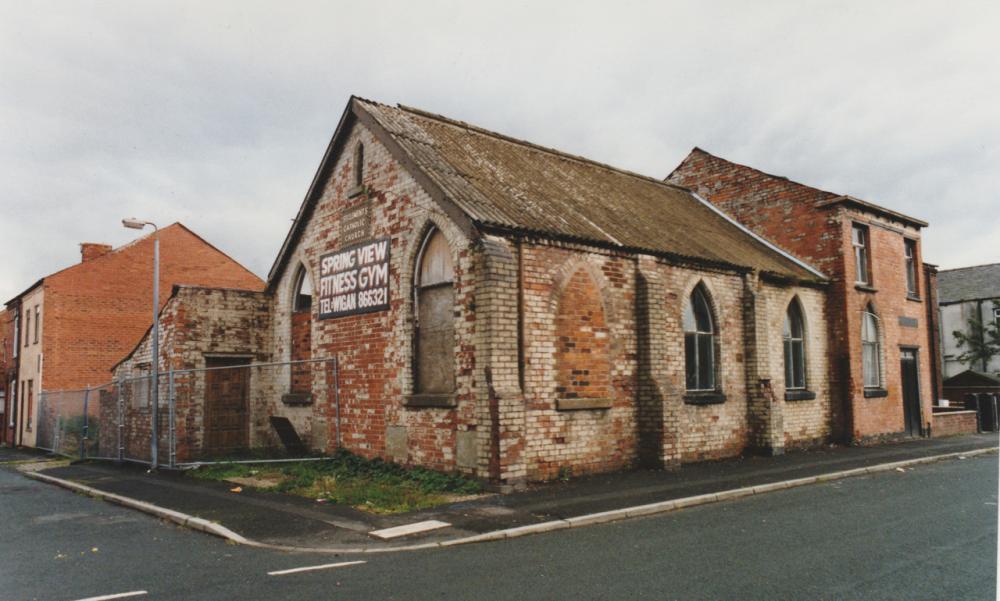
x: 795, y: 351
x: 871, y: 351
x: 434, y: 300
x: 699, y: 341
x: 301, y: 336
x: 359, y: 164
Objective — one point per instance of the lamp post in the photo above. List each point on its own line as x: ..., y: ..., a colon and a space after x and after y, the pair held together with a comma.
x: 136, y: 224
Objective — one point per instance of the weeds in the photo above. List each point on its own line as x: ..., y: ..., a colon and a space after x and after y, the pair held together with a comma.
x: 370, y: 484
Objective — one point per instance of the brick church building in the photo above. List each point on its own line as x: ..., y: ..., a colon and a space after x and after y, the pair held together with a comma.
x: 515, y: 313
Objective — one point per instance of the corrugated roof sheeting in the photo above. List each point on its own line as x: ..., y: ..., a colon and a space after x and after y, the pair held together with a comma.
x: 508, y: 183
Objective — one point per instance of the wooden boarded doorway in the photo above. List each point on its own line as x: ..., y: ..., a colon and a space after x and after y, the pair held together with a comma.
x: 227, y: 412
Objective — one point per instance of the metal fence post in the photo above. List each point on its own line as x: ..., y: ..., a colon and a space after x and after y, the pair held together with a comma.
x: 172, y: 426
x: 86, y: 424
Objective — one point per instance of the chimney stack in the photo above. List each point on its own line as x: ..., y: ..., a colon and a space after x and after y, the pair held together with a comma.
x: 92, y: 250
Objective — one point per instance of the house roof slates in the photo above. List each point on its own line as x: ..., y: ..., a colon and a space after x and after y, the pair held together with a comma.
x: 969, y: 283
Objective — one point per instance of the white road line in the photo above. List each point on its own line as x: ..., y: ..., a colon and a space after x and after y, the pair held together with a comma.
x: 325, y: 566
x: 115, y: 596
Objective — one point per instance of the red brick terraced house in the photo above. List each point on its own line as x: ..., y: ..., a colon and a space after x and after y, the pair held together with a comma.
x: 75, y: 324
x: 881, y: 303
x: 515, y: 313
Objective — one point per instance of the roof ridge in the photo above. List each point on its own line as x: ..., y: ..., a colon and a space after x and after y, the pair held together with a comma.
x: 968, y: 267
x: 547, y: 149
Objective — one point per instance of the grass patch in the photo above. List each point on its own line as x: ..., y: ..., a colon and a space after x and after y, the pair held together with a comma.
x: 369, y: 484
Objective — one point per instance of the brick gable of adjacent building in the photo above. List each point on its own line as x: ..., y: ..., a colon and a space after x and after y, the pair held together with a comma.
x: 96, y: 311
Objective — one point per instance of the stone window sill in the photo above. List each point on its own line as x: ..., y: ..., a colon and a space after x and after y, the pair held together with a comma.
x: 799, y: 395
x: 704, y: 398
x: 297, y: 398
x: 582, y: 404
x: 915, y: 299
x: 417, y: 401
x: 864, y: 287
x: 357, y: 191
x: 876, y: 393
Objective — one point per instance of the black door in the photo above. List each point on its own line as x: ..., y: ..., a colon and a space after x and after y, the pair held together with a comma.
x: 911, y: 391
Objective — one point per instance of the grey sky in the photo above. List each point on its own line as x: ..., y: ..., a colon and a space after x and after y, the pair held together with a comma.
x: 216, y: 114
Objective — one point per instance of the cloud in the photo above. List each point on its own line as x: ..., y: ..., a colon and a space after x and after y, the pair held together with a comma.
x: 217, y: 114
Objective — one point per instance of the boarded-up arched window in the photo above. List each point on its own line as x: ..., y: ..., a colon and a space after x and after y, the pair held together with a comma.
x: 434, y: 300
x: 583, y: 362
x: 301, y: 335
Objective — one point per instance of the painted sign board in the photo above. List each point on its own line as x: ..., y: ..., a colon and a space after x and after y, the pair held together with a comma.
x: 354, y: 279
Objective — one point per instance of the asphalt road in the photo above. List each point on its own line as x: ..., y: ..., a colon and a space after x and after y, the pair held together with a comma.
x: 926, y: 533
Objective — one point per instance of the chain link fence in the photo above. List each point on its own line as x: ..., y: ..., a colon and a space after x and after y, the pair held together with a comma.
x: 232, y: 409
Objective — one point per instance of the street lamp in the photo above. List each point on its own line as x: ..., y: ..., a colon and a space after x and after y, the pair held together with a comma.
x: 136, y: 224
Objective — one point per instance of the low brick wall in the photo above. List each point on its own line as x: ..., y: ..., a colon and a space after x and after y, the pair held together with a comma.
x: 951, y: 423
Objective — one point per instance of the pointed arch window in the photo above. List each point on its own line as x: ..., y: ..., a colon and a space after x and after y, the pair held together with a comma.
x: 871, y: 350
x: 302, y: 300
x: 795, y: 350
x: 301, y: 337
x: 699, y: 341
x: 434, y: 317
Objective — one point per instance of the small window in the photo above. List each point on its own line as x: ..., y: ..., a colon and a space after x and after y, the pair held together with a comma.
x: 302, y: 300
x: 871, y: 350
x: 911, y: 267
x: 359, y: 164
x: 795, y: 354
x: 38, y: 322
x: 699, y: 342
x: 15, y: 341
x: 27, y: 327
x: 859, y: 238
x: 434, y: 308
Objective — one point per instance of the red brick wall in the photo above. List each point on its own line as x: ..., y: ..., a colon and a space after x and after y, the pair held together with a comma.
x: 786, y: 213
x: 194, y: 323
x: 582, y: 353
x: 375, y: 349
x: 953, y: 423
x: 96, y: 311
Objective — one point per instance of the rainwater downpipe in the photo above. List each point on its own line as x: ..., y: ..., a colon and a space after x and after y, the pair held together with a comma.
x: 336, y: 396
x: 520, y: 313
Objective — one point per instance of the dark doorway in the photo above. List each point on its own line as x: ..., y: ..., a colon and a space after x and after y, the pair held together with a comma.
x: 226, y: 407
x: 911, y: 391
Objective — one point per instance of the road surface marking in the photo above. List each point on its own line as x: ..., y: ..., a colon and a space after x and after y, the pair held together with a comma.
x: 115, y: 596
x: 325, y: 566
x: 414, y: 528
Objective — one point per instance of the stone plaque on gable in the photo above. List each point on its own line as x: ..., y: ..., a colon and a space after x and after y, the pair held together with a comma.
x: 354, y: 280
x: 356, y: 224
